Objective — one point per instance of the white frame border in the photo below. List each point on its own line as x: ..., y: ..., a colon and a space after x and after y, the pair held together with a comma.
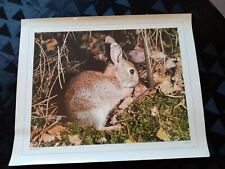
x: 24, y: 155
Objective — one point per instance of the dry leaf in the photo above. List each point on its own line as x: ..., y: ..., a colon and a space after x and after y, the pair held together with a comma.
x: 178, y: 78
x: 162, y: 134
x: 170, y: 63
x: 119, y: 111
x: 48, y: 138
x: 181, y: 103
x: 152, y: 92
x: 166, y: 87
x: 34, y: 130
x: 56, y: 130
x: 74, y: 139
x: 56, y: 144
x: 154, y: 111
x: 126, y: 102
x: 113, y: 119
x: 160, y: 78
x: 140, y: 139
x: 129, y: 141
x: 51, y: 44
x: 102, y: 140
x: 157, y: 56
x: 139, y: 90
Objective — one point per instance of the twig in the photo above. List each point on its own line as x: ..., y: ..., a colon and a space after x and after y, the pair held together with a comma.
x: 44, y: 130
x: 173, y: 96
x: 64, y: 42
x: 168, y: 34
x: 156, y: 39
x: 38, y: 135
x: 50, y: 91
x: 58, y: 66
x: 148, y: 61
x: 47, y: 117
x: 176, y: 41
x: 128, y: 130
x: 181, y: 103
x: 41, y: 102
x: 161, y: 41
x: 128, y: 119
x: 164, y: 59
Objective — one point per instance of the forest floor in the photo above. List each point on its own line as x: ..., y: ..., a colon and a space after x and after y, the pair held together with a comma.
x: 148, y: 115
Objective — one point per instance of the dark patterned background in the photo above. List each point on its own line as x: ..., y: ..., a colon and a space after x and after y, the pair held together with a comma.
x: 209, y: 34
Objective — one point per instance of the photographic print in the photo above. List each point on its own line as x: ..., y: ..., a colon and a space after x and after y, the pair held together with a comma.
x: 111, y: 88
x: 108, y: 87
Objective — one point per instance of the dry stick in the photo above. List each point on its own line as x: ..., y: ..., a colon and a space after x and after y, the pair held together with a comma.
x: 125, y: 55
x: 74, y: 37
x: 64, y: 42
x: 58, y: 66
x: 40, y: 87
x: 53, y: 111
x: 164, y: 59
x: 89, y: 40
x: 43, y: 54
x: 164, y: 29
x: 156, y: 39
x: 49, y: 94
x: 41, y: 72
x: 38, y: 135
x: 152, y: 33
x: 52, y: 74
x: 173, y: 96
x: 44, y: 130
x: 176, y: 41
x: 125, y: 120
x: 44, y: 69
x: 148, y: 61
x: 181, y: 103
x: 67, y: 59
x: 63, y: 47
x: 60, y: 55
x: 41, y: 102
x: 152, y: 44
x: 159, y: 119
x: 61, y: 67
x: 161, y: 41
x: 168, y: 34
x: 138, y: 41
x: 44, y: 117
x: 128, y: 131
x: 42, y: 105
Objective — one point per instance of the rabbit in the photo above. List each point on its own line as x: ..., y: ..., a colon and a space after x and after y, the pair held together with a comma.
x: 91, y: 95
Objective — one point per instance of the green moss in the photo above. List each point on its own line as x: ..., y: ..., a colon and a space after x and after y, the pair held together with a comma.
x: 138, y: 124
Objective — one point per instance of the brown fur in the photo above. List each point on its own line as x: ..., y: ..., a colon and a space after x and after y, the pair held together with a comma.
x: 82, y: 82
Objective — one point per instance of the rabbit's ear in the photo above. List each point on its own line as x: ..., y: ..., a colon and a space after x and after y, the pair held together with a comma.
x: 116, y: 53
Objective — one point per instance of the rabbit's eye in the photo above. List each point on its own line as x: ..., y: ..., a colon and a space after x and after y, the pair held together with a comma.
x: 132, y: 71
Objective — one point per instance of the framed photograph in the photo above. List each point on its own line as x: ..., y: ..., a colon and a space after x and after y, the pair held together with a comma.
x: 112, y: 88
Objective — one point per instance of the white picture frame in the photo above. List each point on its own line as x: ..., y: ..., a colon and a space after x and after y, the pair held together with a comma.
x: 23, y: 154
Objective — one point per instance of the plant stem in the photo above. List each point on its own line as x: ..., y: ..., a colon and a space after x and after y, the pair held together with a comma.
x: 148, y: 61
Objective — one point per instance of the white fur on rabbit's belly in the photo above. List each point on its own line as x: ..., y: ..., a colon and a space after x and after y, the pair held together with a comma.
x: 104, y: 96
